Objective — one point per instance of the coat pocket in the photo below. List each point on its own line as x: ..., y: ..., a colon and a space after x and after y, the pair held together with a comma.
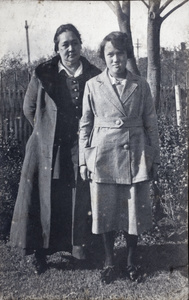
x: 90, y: 158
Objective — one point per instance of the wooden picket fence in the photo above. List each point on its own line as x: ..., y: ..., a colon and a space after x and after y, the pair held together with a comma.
x: 12, y: 120
x: 171, y: 107
x: 13, y: 123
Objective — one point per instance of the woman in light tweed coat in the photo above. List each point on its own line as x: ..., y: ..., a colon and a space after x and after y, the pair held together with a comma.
x: 119, y: 151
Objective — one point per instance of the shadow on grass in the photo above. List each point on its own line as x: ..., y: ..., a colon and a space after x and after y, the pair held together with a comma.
x: 154, y: 258
x: 94, y: 260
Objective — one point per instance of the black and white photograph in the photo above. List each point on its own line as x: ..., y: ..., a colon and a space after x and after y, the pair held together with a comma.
x: 94, y: 149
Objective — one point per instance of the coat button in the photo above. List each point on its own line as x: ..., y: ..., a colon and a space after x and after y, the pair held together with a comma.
x: 74, y: 81
x: 126, y: 147
x: 118, y: 122
x: 75, y: 90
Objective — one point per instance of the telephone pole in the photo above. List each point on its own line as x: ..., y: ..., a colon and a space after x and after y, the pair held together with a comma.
x: 27, y: 41
x: 28, y: 49
x: 138, y: 45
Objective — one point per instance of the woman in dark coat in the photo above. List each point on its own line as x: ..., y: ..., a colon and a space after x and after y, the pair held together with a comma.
x: 51, y: 190
x: 119, y: 151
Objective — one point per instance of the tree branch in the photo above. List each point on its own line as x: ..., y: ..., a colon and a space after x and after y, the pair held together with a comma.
x: 172, y: 10
x: 112, y: 7
x: 118, y: 8
x: 145, y: 3
x: 164, y: 6
x: 126, y: 8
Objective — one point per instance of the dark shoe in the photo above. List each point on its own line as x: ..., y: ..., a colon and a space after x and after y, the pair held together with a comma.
x: 108, y: 275
x: 40, y: 264
x: 133, y: 273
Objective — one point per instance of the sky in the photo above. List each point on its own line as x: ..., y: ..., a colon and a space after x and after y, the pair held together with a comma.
x: 94, y: 20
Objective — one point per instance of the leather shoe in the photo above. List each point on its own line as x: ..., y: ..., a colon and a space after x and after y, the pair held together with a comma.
x: 108, y: 274
x: 133, y: 273
x: 40, y: 264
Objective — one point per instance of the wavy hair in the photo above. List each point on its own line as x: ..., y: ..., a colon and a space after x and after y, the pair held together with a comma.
x: 119, y: 40
x: 64, y: 28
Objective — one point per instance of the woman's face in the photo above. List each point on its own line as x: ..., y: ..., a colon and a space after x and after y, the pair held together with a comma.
x: 69, y: 48
x: 116, y: 60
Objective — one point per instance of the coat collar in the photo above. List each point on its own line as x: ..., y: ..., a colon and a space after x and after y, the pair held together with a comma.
x: 131, y: 84
x: 47, y: 73
x: 107, y: 88
x: 47, y: 69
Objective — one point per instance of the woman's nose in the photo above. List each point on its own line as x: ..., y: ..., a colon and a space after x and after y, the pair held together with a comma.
x: 70, y: 48
x: 115, y: 58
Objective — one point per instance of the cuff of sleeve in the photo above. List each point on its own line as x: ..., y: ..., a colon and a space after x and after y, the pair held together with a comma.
x: 82, y: 159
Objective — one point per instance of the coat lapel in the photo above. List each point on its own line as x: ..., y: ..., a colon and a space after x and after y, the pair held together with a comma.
x: 107, y: 89
x: 47, y: 73
x: 129, y: 88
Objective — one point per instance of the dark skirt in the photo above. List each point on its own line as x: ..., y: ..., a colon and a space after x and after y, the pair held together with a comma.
x: 61, y: 216
x: 61, y: 220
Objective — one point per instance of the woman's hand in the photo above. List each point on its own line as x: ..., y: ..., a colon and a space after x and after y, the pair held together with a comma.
x: 84, y: 173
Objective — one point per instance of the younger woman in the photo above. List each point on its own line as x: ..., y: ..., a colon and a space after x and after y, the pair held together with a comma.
x: 119, y: 151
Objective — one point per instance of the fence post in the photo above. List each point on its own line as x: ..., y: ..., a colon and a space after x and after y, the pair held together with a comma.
x: 178, y: 104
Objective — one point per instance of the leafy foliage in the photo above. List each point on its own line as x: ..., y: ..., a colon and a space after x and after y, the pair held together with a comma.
x: 93, y: 57
x: 170, y: 194
x: 11, y: 158
x: 174, y: 66
x: 173, y: 176
x: 15, y: 73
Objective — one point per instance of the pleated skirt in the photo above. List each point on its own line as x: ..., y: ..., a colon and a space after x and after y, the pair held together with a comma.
x: 120, y: 207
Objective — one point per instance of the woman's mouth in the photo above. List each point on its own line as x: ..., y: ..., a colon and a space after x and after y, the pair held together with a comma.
x: 71, y: 55
x: 115, y: 65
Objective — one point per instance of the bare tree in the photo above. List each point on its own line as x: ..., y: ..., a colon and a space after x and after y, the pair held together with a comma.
x: 122, y: 11
x: 153, y: 42
x: 153, y: 37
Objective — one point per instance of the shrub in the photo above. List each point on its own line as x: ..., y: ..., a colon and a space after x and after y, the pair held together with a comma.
x: 11, y: 158
x: 173, y: 175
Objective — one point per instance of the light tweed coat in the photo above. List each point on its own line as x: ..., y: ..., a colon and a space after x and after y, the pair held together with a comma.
x: 118, y: 138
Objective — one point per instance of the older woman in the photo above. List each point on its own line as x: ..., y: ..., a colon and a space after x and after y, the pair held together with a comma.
x: 50, y: 181
x: 119, y: 151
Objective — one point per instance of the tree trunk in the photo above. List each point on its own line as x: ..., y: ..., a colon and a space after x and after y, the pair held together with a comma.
x: 153, y: 51
x: 123, y: 16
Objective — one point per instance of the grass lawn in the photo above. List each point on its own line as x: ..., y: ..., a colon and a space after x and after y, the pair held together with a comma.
x: 164, y: 276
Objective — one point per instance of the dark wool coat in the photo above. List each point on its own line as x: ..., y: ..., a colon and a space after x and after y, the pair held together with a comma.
x: 54, y: 113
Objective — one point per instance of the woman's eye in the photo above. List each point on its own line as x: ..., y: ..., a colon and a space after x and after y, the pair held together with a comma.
x: 65, y: 46
x: 75, y: 43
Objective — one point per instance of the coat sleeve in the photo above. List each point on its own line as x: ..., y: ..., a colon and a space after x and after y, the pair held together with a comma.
x: 30, y: 100
x: 86, y: 125
x: 150, y: 122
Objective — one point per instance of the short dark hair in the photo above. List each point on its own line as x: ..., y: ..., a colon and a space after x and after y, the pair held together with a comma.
x: 64, y: 28
x: 119, y: 40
